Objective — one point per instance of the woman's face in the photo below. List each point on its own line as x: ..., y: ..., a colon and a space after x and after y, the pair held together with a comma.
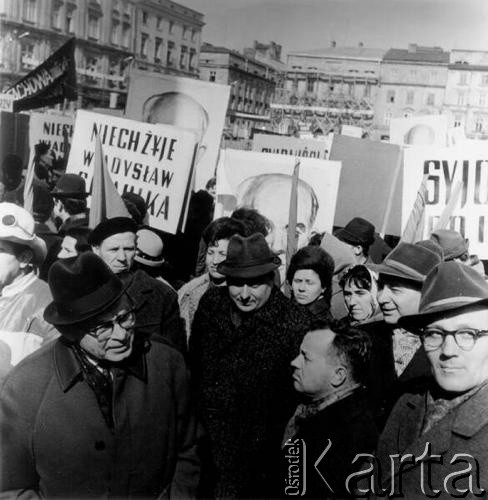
x: 306, y: 286
x: 360, y: 302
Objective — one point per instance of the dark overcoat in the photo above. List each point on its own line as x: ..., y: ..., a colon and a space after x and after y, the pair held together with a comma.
x: 157, y: 309
x: 55, y: 442
x: 464, y: 431
x: 243, y: 383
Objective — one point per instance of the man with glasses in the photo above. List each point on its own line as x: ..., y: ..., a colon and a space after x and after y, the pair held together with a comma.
x: 450, y: 417
x: 101, y: 411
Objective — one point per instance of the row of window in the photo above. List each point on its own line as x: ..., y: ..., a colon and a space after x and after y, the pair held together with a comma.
x: 351, y: 89
x: 409, y: 97
x: 158, y: 22
x: 187, y: 57
x: 463, y: 78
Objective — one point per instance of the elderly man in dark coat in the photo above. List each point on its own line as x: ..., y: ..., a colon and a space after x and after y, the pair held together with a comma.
x: 157, y: 309
x: 440, y: 436
x: 244, y: 337
x: 100, y: 411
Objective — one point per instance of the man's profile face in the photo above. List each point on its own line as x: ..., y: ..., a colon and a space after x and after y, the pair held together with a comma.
x: 314, y: 367
x: 68, y: 248
x: 10, y: 265
x: 457, y: 370
x: 397, y: 298
x: 250, y: 294
x: 118, y: 251
x: 112, y: 333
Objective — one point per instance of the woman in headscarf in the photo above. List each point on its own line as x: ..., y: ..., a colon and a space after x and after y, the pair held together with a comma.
x: 360, y: 291
x: 310, y: 278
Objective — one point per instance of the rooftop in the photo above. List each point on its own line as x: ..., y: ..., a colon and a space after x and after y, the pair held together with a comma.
x: 416, y: 53
x: 343, y: 53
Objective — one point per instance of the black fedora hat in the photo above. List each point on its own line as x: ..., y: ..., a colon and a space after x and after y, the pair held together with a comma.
x: 70, y: 186
x: 248, y: 257
x: 82, y: 288
x: 449, y: 287
x: 408, y: 261
x: 357, y: 231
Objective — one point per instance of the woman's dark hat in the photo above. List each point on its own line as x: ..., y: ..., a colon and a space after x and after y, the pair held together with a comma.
x: 70, y: 186
x: 82, y: 288
x: 358, y: 231
x: 451, y: 286
x: 248, y: 257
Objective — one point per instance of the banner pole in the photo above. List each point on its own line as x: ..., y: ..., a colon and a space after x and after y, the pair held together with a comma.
x: 449, y: 208
x: 394, y: 182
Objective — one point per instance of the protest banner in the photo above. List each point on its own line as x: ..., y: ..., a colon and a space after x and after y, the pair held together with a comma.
x: 445, y: 167
x: 51, y: 129
x: 421, y: 130
x: 184, y: 102
x: 50, y: 83
x: 368, y: 173
x: 154, y: 161
x: 263, y: 181
x: 303, y: 148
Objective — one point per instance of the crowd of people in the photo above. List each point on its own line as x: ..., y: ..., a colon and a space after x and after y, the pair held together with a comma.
x: 122, y: 378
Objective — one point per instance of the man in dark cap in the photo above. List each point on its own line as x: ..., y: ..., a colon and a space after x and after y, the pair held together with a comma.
x: 243, y: 338
x: 447, y: 424
x: 397, y: 363
x: 359, y: 235
x: 70, y: 202
x: 158, y: 313
x: 99, y: 412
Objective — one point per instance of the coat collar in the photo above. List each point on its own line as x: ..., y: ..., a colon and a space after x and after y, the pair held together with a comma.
x: 69, y: 372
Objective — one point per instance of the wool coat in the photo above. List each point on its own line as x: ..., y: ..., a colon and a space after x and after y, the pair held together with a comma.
x: 55, y: 442
x: 157, y: 310
x: 243, y: 384
x: 348, y: 427
x: 464, y: 430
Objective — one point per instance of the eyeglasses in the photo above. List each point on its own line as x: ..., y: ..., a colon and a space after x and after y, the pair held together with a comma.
x: 465, y: 338
x: 125, y: 320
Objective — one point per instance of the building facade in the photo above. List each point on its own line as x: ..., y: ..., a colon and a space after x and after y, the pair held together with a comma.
x: 327, y: 88
x: 108, y: 41
x: 466, y: 97
x: 412, y: 82
x: 252, y: 88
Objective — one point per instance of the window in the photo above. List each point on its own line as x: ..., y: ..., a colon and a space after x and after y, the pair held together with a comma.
x: 183, y: 56
x: 145, y: 17
x: 212, y: 76
x: 115, y: 33
x: 463, y: 78
x: 30, y: 10
x: 387, y: 118
x: 56, y: 17
x: 193, y: 35
x: 69, y: 20
x: 482, y: 100
x: 430, y: 99
x: 92, y: 66
x: 460, y: 98
x: 170, y: 54
x: 171, y: 27
x: 159, y: 22
x: 458, y: 119
x: 185, y: 32
x: 158, y: 47
x: 193, y: 59
x: 410, y: 97
x: 125, y: 35
x: 390, y: 96
x: 484, y: 80
x: 144, y: 45
x: 367, y: 90
x: 93, y: 27
x: 310, y: 84
x: 479, y: 124
x: 27, y: 56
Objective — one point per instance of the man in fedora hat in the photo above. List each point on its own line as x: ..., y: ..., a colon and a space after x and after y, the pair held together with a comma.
x: 448, y: 418
x: 397, y: 364
x: 243, y: 338
x: 70, y: 202
x: 23, y: 296
x: 115, y: 242
x: 359, y: 235
x: 101, y: 411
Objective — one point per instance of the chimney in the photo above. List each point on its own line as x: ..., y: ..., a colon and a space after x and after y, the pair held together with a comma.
x: 361, y: 44
x: 412, y: 48
x: 333, y: 43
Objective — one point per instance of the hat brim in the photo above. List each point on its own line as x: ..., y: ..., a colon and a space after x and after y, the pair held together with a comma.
x: 391, y: 271
x: 37, y: 245
x: 414, y: 322
x: 63, y: 194
x: 149, y: 263
x: 53, y: 315
x: 249, y: 271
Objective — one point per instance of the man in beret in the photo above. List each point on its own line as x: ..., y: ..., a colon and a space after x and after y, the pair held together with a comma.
x: 158, y: 313
x: 101, y: 411
x: 243, y: 338
x: 397, y: 363
x: 448, y: 419
x: 70, y: 202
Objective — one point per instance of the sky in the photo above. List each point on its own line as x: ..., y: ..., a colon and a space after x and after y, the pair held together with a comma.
x: 313, y: 24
